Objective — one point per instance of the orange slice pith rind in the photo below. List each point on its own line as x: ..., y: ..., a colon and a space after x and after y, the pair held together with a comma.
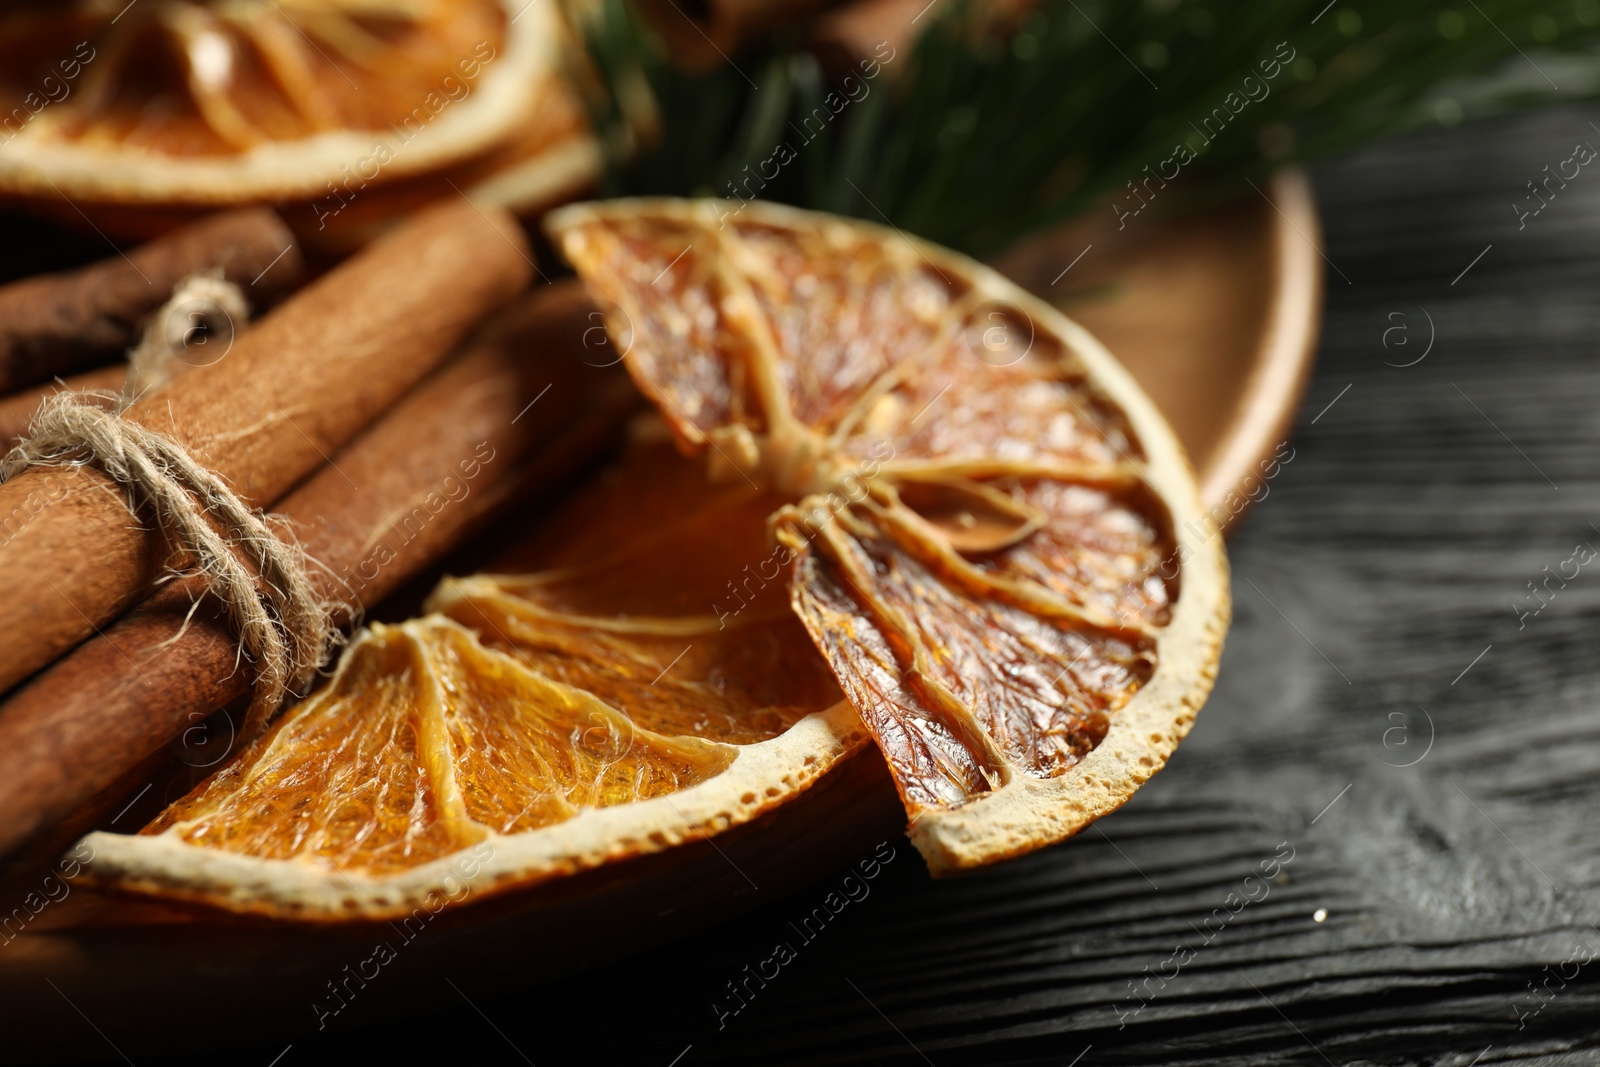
x: 171, y: 101
x: 995, y: 547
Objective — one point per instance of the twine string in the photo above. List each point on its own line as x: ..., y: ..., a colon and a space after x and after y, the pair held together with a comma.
x: 250, y: 562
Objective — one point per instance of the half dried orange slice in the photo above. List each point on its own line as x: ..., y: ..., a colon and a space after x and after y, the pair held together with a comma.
x: 191, y: 102
x: 990, y: 523
x: 901, y: 480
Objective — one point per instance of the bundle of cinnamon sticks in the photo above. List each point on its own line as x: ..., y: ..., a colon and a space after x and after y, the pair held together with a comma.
x: 384, y: 410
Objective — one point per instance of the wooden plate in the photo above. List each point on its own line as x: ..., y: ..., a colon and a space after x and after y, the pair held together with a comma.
x: 1217, y: 316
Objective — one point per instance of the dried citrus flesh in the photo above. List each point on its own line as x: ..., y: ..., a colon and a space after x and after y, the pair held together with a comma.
x: 529, y: 726
x: 989, y: 532
x: 228, y: 100
x: 989, y: 541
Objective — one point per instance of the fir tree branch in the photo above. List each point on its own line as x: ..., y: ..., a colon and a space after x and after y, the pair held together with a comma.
x: 976, y: 137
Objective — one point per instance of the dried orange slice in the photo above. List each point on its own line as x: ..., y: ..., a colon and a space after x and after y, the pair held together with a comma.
x: 906, y: 481
x: 191, y: 102
x: 530, y: 727
x: 991, y: 524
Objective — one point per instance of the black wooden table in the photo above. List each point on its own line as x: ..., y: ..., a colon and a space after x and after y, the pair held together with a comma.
x: 1379, y: 845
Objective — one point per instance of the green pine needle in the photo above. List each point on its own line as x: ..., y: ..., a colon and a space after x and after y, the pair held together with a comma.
x: 975, y: 138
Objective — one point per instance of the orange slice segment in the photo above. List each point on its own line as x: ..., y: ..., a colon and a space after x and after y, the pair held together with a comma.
x: 1014, y: 691
x: 182, y: 101
x: 989, y: 536
x: 742, y: 683
x: 519, y: 760
x: 423, y: 743
x: 360, y: 775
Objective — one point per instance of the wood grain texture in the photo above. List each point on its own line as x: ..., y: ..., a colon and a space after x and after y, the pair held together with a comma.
x: 1386, y: 558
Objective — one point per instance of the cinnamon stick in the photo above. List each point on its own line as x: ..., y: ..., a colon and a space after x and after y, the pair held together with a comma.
x: 299, y: 384
x: 61, y: 323
x: 429, y: 471
x: 17, y: 410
